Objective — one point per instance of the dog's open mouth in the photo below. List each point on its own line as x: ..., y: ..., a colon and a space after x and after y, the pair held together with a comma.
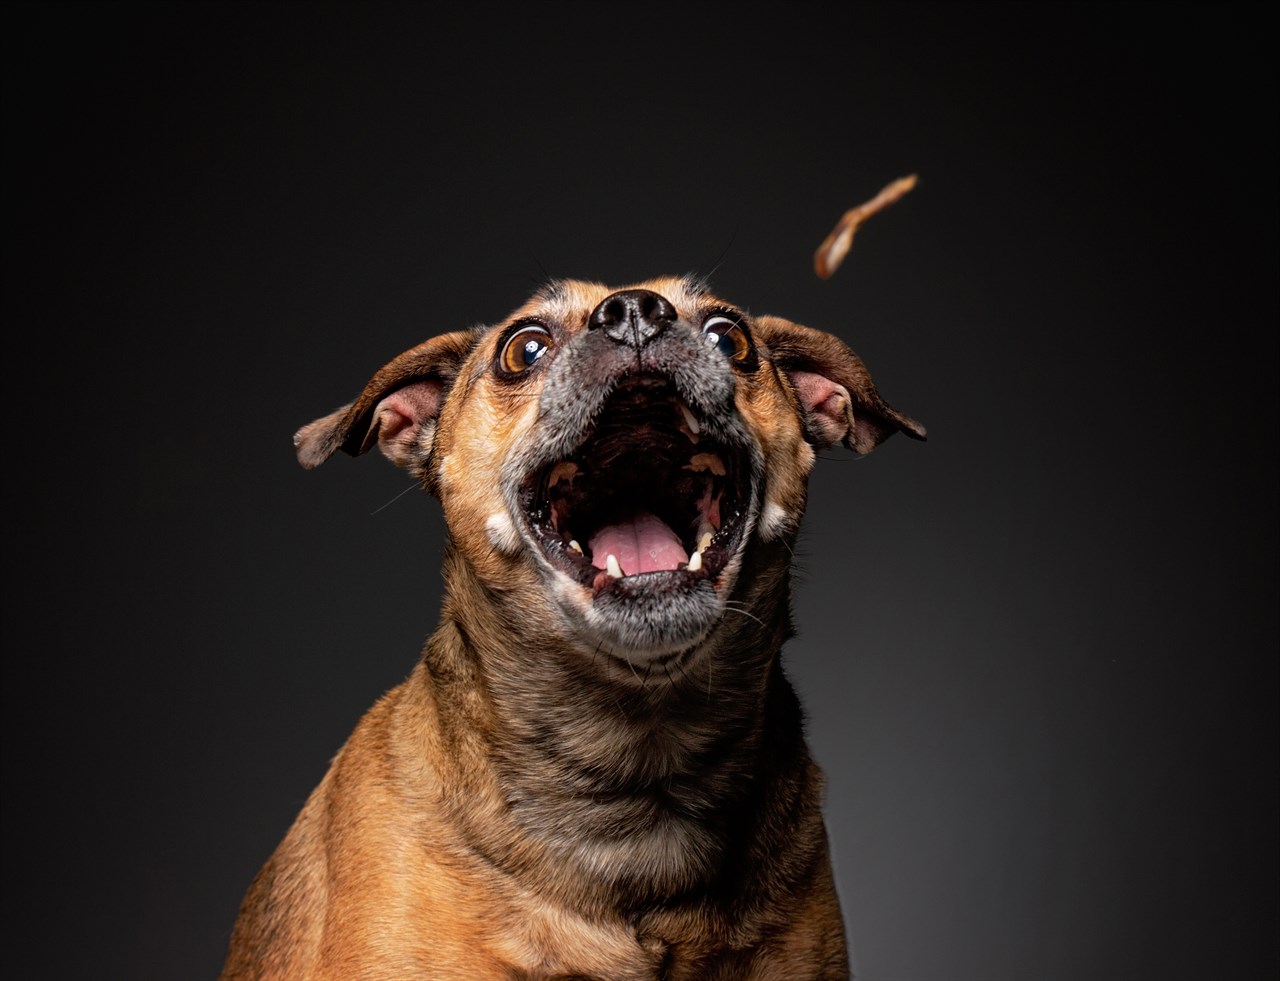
x: 647, y: 493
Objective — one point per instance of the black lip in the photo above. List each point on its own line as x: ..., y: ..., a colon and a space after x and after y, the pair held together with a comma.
x: 637, y: 456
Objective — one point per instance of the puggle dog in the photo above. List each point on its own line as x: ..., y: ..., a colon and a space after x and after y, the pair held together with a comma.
x: 597, y: 769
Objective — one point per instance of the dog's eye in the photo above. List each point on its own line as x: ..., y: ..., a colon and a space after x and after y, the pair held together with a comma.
x: 727, y: 337
x: 523, y: 349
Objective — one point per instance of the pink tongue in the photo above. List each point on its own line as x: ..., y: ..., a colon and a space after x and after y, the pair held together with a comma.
x: 643, y: 544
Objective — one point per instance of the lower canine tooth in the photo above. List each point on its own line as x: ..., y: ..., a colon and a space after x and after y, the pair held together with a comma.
x: 611, y: 566
x: 695, y: 562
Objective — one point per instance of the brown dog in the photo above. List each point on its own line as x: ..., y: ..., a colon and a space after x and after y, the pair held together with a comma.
x: 597, y: 769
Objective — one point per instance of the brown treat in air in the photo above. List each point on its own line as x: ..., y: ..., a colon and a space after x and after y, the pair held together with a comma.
x: 827, y: 259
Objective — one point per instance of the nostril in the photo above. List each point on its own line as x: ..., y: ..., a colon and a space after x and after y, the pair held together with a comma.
x: 656, y: 310
x: 614, y: 312
x: 632, y: 317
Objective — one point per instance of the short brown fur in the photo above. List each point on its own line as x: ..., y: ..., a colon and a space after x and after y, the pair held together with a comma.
x: 536, y: 803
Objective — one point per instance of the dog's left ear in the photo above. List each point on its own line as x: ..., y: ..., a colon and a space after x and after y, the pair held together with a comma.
x: 840, y: 403
x: 398, y: 409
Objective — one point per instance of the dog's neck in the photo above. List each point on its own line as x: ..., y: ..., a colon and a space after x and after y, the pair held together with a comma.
x: 648, y: 782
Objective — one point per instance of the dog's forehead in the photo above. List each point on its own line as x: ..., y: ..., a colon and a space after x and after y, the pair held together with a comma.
x: 570, y: 301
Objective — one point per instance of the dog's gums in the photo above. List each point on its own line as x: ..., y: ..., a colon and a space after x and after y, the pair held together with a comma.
x: 647, y: 493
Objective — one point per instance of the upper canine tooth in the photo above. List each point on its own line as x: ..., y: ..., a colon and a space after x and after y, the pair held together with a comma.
x: 611, y: 566
x: 573, y: 544
x: 706, y: 461
x: 695, y: 562
x: 704, y: 539
x: 691, y: 421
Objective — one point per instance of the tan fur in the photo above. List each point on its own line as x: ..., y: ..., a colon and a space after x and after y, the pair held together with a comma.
x: 425, y: 853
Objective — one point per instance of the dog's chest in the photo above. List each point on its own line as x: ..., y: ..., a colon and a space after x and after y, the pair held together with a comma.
x: 552, y: 944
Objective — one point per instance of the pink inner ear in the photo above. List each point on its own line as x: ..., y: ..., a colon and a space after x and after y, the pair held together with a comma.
x: 826, y: 402
x: 403, y: 412
x: 394, y: 417
x: 813, y: 389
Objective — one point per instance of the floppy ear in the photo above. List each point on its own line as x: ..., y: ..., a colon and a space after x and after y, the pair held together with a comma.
x: 398, y: 409
x: 840, y: 403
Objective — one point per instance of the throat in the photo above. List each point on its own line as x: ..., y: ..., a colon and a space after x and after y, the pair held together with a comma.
x: 637, y: 780
x: 638, y: 794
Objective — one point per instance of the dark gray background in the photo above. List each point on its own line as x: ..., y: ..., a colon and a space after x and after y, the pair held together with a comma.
x: 1038, y: 651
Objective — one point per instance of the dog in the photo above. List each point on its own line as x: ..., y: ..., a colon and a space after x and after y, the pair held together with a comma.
x: 597, y: 769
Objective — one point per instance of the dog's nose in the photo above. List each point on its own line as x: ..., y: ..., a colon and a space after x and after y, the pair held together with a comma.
x: 633, y: 317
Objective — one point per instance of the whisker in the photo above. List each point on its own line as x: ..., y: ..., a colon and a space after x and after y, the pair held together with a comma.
x: 411, y: 487
x: 741, y: 611
x: 633, y: 668
x: 722, y: 257
x: 684, y: 675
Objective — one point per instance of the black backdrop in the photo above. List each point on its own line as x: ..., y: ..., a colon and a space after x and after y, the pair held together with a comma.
x: 1038, y: 652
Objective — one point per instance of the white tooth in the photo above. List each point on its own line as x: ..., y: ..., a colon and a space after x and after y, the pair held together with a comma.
x: 690, y: 419
x: 695, y: 562
x: 573, y: 544
x: 611, y: 566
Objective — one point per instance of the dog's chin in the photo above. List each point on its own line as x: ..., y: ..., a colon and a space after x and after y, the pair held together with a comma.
x: 642, y: 620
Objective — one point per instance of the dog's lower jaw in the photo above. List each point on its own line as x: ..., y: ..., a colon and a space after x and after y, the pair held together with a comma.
x: 642, y: 621
x: 636, y: 634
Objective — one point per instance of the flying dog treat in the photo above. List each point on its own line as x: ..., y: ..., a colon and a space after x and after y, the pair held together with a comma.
x: 836, y: 245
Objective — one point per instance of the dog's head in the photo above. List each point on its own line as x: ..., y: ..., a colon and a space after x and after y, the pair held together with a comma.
x: 623, y: 452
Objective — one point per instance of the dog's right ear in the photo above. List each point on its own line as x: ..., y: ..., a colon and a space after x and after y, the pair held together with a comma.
x: 834, y: 388
x: 398, y: 409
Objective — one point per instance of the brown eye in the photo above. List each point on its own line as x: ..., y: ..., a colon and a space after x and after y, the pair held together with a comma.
x: 523, y: 349
x: 727, y: 337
